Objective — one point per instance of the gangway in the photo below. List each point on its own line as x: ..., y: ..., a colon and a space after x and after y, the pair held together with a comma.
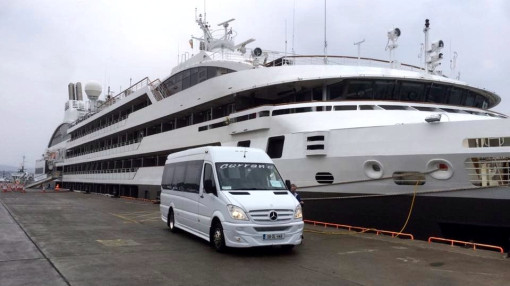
x: 38, y: 183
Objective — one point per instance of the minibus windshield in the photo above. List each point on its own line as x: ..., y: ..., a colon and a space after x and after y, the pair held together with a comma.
x: 249, y: 176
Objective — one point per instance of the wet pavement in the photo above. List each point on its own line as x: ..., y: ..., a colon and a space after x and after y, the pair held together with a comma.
x: 66, y: 238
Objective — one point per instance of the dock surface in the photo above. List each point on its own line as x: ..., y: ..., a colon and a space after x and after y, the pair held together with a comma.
x: 68, y: 238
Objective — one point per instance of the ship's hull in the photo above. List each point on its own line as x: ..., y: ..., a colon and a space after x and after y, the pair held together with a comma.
x: 457, y: 216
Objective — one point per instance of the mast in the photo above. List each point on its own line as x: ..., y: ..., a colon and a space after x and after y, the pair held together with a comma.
x: 325, y: 40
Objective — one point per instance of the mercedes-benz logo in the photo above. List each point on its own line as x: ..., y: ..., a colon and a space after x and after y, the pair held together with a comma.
x: 273, y: 215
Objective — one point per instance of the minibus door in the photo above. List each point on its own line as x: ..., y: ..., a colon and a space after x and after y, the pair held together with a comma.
x: 207, y: 199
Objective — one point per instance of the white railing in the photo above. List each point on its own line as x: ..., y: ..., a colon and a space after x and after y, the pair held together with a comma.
x: 100, y: 131
x: 112, y: 150
x: 114, y: 174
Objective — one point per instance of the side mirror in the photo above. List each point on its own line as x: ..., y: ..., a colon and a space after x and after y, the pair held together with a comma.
x: 287, y: 183
x: 209, y: 188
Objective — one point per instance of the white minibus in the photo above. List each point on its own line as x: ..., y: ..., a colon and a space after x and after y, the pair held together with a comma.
x: 231, y: 197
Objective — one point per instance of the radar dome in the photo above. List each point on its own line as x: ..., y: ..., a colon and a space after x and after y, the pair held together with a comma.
x: 93, y: 90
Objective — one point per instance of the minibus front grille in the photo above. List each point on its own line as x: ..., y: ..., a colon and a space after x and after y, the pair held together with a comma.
x: 272, y: 228
x: 267, y: 216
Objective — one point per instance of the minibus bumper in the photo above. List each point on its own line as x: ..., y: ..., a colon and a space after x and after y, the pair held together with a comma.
x: 250, y: 235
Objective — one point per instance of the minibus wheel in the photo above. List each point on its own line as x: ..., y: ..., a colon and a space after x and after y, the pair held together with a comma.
x: 217, y: 238
x: 171, y: 220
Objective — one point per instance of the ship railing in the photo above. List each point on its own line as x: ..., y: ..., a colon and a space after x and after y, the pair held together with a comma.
x: 109, y: 174
x: 112, y: 100
x: 113, y: 125
x: 158, y: 89
x: 475, y: 245
x: 125, y: 93
x: 121, y: 147
x: 340, y: 60
x: 276, y: 58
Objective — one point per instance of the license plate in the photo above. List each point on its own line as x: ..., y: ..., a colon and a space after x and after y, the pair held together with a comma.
x: 273, y: 236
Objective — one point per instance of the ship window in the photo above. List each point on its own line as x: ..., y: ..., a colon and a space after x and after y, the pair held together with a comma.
x: 264, y: 113
x: 368, y: 107
x: 346, y: 107
x: 425, y: 108
x: 336, y: 91
x: 479, y: 101
x: 360, y: 90
x: 455, y: 97
x: 281, y: 111
x: 315, y: 147
x: 384, y: 90
x: 409, y: 178
x: 410, y: 91
x: 275, y: 146
x: 315, y: 138
x: 323, y: 108
x: 470, y: 99
x: 245, y: 143
x: 449, y: 110
x: 394, y: 107
x: 437, y: 94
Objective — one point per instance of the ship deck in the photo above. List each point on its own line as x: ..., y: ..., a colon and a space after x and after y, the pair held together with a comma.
x: 68, y: 238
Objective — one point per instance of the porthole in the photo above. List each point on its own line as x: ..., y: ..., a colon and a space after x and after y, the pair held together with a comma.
x: 324, y: 178
x: 443, y: 169
x: 373, y: 169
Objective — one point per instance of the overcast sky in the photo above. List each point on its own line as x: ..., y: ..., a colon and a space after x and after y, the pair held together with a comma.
x: 47, y: 44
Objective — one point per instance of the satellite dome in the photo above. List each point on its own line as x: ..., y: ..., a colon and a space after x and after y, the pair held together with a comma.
x: 93, y: 89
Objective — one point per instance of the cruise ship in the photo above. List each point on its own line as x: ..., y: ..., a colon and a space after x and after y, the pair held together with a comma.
x: 368, y: 142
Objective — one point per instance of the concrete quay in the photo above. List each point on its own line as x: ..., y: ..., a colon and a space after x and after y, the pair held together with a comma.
x: 69, y: 238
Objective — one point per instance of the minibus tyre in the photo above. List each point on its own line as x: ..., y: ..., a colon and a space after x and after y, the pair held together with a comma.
x: 171, y: 221
x: 288, y: 247
x: 217, y: 237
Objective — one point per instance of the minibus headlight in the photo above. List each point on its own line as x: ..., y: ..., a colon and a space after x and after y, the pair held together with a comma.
x: 236, y: 212
x: 298, y: 213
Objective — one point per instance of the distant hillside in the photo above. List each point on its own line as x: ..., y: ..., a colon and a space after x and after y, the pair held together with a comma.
x: 7, y: 168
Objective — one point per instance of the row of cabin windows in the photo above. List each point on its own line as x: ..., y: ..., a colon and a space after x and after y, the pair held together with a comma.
x: 162, y: 125
x: 111, y: 118
x: 190, y: 77
x: 128, y: 163
x: 172, y: 85
x: 117, y: 165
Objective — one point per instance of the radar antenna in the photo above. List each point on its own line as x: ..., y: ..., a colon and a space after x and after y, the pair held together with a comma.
x: 433, y: 56
x: 392, y: 37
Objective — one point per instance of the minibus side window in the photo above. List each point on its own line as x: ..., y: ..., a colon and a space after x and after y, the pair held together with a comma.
x: 178, y: 181
x: 168, y: 175
x: 192, y: 178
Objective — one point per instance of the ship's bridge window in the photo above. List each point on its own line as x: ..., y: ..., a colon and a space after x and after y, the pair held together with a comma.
x: 411, y: 91
x: 437, y: 93
x: 360, y: 90
x: 190, y: 77
x: 385, y: 90
x: 456, y: 96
